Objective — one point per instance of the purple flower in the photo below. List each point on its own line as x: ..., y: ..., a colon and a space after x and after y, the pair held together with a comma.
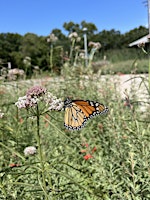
x: 39, y: 94
x: 36, y: 91
x: 32, y: 97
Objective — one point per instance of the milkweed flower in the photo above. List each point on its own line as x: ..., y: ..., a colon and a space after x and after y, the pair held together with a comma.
x: 31, y: 150
x: 32, y: 97
x: 73, y: 35
x: 52, y: 38
x: 26, y: 102
x: 39, y: 94
x: 53, y: 102
x: 82, y: 55
x: 36, y: 91
x: 95, y: 45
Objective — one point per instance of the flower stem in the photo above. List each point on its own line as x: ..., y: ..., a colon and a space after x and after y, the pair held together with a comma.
x: 41, y: 155
x: 71, y: 51
x: 51, y: 58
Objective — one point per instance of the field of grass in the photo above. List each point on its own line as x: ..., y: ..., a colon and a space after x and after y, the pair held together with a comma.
x: 108, y: 159
x: 139, y: 66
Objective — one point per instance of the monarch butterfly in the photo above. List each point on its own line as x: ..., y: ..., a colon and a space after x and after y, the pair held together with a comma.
x: 77, y: 112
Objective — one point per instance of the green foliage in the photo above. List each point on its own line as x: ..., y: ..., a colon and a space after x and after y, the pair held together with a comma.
x: 15, y: 48
x: 135, y: 34
x: 126, y: 67
x: 118, y: 168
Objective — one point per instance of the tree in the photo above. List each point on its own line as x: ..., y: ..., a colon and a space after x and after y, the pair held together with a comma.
x: 9, y: 43
x: 71, y: 27
x: 135, y: 34
x: 91, y: 28
x: 34, y: 47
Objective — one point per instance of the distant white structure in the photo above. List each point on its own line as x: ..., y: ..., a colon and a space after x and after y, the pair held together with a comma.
x: 145, y: 39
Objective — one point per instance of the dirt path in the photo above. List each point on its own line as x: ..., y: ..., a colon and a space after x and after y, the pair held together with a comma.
x: 129, y: 83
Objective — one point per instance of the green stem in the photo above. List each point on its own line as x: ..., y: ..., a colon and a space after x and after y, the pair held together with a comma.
x: 51, y: 57
x: 41, y: 154
x: 91, y: 57
x: 3, y: 189
x: 71, y: 51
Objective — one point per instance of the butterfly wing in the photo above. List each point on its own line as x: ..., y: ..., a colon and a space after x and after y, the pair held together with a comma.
x: 77, y: 112
x: 74, y: 117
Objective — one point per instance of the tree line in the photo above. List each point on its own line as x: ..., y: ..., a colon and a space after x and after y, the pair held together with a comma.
x: 26, y: 51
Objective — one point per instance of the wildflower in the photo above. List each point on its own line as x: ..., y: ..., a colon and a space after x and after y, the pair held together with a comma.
x: 25, y: 102
x: 85, y: 145
x: 91, y: 44
x: 73, y: 35
x: 52, y: 38
x: 77, y: 48
x: 37, y: 94
x: 53, y: 102
x: 82, y: 55
x: 87, y: 156
x: 95, y: 45
x: 83, y: 151
x: 94, y: 149
x: 1, y: 114
x: 31, y: 98
x: 78, y: 39
x: 12, y: 165
x: 36, y: 91
x: 31, y: 150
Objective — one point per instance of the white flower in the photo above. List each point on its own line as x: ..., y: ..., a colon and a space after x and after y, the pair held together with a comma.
x: 29, y: 150
x: 53, y: 102
x: 25, y: 102
x: 22, y: 102
x: 1, y: 114
x: 73, y: 35
x: 52, y: 38
x: 95, y: 45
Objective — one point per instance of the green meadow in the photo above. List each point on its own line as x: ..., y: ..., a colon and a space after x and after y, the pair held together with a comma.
x: 108, y: 159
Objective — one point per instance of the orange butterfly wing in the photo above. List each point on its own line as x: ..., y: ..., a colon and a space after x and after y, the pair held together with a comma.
x: 77, y: 112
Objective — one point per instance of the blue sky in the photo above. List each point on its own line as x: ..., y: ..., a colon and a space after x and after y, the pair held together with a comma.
x: 42, y: 16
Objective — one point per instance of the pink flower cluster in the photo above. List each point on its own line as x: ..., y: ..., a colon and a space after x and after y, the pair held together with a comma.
x: 33, y: 95
x: 38, y: 94
x: 36, y: 91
